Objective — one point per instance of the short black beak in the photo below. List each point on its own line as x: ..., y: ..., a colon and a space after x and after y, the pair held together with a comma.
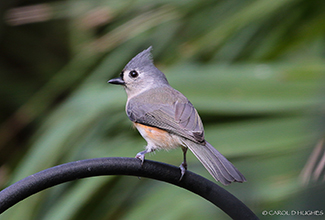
x: 117, y: 81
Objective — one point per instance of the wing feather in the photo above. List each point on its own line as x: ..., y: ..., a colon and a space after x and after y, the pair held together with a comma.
x: 176, y: 115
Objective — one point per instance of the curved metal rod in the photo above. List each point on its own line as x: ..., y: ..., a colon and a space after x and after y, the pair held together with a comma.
x: 124, y: 166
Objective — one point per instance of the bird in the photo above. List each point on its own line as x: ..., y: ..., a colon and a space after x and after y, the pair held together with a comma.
x: 166, y: 119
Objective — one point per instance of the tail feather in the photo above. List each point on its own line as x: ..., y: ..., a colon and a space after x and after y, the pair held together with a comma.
x: 217, y: 165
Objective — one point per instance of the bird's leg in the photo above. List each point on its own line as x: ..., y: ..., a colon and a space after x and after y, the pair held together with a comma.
x: 141, y: 155
x: 183, y: 166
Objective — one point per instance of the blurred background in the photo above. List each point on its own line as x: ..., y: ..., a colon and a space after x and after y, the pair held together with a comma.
x: 254, y: 69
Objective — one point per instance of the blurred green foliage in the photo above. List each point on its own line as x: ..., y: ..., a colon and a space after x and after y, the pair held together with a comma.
x: 254, y: 69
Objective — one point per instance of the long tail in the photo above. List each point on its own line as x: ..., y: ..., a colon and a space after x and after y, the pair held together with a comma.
x: 217, y: 165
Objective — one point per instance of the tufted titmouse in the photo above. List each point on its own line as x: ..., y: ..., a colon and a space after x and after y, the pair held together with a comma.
x: 166, y: 119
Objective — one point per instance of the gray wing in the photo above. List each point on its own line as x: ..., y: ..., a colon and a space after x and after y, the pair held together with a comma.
x: 177, y: 115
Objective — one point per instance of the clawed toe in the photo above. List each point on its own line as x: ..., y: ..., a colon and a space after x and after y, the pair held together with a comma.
x: 140, y: 157
x: 141, y: 154
x: 183, y: 168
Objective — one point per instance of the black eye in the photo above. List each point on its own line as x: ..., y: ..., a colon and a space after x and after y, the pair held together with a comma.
x: 134, y: 74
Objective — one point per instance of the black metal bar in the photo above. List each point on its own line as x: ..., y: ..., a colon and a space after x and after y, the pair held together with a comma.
x: 124, y: 166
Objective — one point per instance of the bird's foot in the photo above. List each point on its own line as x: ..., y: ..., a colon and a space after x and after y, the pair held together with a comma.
x: 183, y: 168
x: 141, y: 155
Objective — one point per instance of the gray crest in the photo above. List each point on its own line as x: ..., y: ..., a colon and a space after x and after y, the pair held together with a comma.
x: 142, y: 60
